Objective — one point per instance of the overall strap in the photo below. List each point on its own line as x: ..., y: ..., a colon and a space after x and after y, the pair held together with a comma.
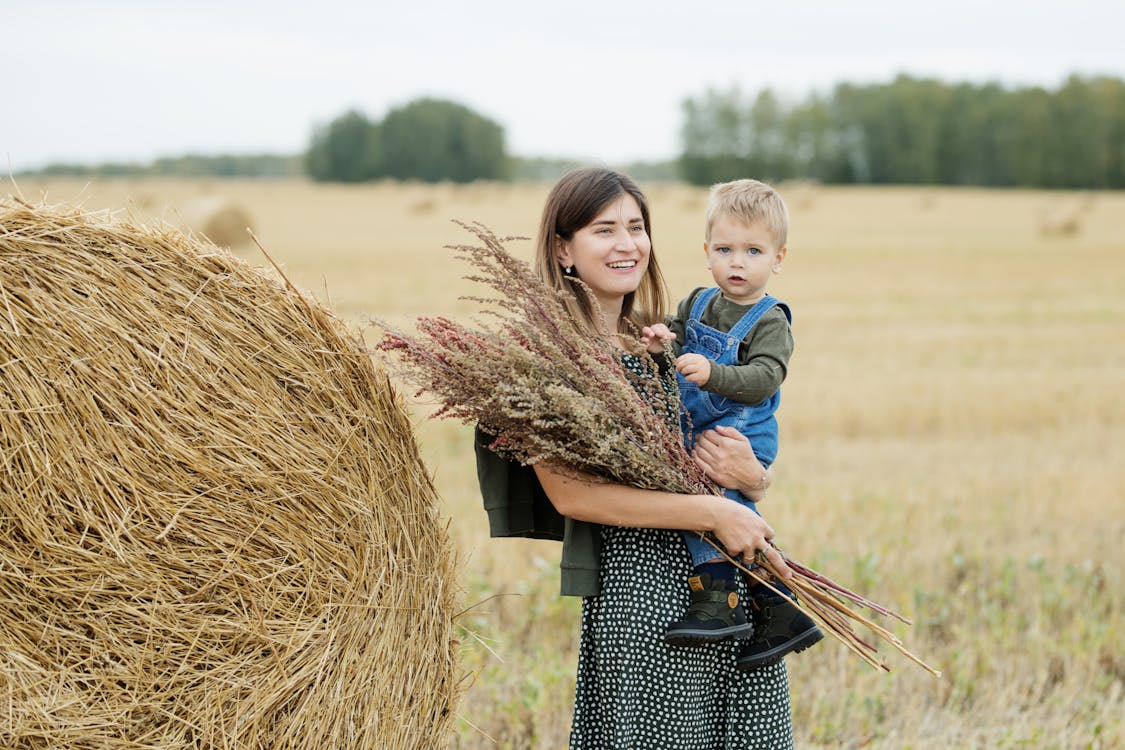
x: 700, y: 303
x: 755, y: 313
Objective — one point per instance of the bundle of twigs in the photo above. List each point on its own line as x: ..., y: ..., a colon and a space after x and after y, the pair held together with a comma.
x: 552, y: 393
x: 215, y: 527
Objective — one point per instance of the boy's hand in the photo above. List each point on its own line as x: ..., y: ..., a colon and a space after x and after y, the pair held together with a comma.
x: 694, y: 367
x: 654, y: 336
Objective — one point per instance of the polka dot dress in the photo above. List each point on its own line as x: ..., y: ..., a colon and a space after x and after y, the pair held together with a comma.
x: 636, y: 692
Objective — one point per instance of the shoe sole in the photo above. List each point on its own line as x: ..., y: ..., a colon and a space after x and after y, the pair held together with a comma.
x: 703, y: 636
x: 777, y: 653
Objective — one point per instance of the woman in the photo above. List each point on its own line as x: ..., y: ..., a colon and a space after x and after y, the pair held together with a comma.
x: 621, y: 547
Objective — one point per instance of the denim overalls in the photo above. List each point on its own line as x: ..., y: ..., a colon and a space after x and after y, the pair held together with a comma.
x: 709, y: 410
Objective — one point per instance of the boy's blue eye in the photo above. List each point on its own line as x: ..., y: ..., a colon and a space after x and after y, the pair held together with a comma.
x: 755, y: 251
x: 723, y: 249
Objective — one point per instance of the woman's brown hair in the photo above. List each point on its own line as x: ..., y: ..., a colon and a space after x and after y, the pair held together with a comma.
x: 575, y: 201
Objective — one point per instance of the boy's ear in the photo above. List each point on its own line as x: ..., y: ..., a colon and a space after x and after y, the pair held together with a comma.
x: 781, y: 253
x: 707, y: 253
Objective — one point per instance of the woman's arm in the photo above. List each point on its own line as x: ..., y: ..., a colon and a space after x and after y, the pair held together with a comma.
x: 742, y: 531
x: 725, y: 455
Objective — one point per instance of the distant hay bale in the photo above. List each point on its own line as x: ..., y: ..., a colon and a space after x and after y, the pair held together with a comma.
x: 1061, y: 221
x: 800, y: 194
x: 219, y: 219
x: 215, y: 527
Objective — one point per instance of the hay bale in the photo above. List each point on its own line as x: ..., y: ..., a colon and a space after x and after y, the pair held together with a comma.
x: 800, y: 195
x: 216, y: 528
x: 1060, y: 221
x: 219, y: 219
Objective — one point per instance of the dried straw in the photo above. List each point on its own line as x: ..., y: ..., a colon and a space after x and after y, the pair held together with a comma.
x: 215, y: 527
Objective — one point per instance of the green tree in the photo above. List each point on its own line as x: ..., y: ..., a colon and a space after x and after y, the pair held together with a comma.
x: 770, y: 150
x: 345, y: 150
x: 434, y: 139
x: 915, y: 131
x: 816, y: 148
x: 716, y: 143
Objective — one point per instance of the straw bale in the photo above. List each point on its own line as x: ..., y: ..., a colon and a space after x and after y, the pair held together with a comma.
x: 217, y: 218
x: 1061, y: 221
x: 215, y: 527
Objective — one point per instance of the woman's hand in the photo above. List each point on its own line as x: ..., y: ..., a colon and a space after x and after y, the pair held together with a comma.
x: 654, y: 337
x: 741, y: 530
x: 744, y: 533
x: 726, y: 457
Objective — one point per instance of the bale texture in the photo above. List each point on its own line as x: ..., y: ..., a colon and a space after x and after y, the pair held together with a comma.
x: 215, y: 527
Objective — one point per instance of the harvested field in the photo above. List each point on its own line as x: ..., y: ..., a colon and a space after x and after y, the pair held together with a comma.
x: 950, y: 443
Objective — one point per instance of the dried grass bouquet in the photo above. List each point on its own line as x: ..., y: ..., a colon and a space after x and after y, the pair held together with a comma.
x: 554, y: 394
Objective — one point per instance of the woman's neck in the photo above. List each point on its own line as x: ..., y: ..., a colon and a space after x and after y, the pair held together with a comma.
x: 610, y: 311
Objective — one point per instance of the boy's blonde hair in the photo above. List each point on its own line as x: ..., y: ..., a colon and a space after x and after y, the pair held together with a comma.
x: 749, y: 201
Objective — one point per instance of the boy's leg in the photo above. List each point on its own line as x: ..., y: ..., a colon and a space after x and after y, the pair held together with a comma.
x: 716, y: 612
x: 780, y: 627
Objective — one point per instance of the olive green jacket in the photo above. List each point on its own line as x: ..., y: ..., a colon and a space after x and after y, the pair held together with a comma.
x: 517, y: 506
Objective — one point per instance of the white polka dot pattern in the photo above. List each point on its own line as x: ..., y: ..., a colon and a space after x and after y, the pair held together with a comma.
x: 636, y: 692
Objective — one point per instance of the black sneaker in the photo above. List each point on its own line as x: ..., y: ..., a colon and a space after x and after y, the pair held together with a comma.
x: 715, y: 614
x: 780, y: 628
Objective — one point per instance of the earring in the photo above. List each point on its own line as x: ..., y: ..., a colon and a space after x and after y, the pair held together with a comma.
x: 569, y: 270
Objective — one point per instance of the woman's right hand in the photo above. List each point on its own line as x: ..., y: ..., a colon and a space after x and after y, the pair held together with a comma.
x: 726, y: 457
x: 744, y: 533
x: 655, y: 336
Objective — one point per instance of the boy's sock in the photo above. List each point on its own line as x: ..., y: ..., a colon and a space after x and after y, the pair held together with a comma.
x: 718, y: 570
x: 715, y: 613
x: 758, y: 590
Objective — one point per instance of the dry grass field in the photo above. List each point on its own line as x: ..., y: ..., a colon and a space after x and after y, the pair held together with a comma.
x: 952, y: 442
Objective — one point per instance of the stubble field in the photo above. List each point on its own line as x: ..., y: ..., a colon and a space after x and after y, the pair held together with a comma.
x: 952, y: 432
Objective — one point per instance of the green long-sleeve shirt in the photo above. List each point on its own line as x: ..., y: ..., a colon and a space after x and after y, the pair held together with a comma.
x: 763, y: 356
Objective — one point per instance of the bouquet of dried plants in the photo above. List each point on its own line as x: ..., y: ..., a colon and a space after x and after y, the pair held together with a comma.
x: 549, y: 392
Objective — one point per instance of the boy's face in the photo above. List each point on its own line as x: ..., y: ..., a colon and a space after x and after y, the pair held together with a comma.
x: 741, y: 258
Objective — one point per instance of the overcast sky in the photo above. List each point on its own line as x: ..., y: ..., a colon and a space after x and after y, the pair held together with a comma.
x: 131, y: 80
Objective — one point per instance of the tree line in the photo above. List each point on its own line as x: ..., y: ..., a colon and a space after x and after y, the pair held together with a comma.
x: 910, y: 130
x: 427, y: 139
x: 190, y: 165
x: 913, y: 131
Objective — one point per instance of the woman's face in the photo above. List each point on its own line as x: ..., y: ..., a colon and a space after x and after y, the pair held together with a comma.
x: 610, y: 254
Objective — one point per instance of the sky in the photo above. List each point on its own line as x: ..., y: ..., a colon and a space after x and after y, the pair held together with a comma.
x: 133, y: 80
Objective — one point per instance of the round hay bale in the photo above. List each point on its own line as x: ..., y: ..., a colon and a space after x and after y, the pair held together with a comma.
x: 216, y: 528
x: 1061, y: 221
x: 219, y: 219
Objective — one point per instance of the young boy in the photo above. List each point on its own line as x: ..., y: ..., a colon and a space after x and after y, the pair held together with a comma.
x: 735, y: 350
